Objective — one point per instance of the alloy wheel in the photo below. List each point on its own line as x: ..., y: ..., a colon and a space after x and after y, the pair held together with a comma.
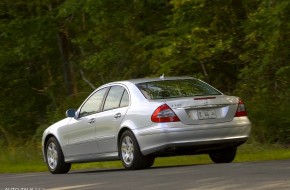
x: 52, y: 156
x: 127, y: 150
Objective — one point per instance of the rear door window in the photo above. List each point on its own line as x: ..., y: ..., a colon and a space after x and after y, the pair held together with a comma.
x: 115, y: 98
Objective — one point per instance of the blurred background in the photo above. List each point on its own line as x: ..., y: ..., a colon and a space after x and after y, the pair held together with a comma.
x: 53, y: 53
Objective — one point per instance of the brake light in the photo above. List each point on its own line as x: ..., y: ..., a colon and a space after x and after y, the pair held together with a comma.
x: 241, y: 111
x: 164, y: 114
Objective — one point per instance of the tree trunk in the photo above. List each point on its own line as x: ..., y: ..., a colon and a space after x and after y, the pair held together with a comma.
x: 67, y: 69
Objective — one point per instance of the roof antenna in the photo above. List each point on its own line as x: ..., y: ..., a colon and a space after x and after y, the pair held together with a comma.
x: 162, y: 76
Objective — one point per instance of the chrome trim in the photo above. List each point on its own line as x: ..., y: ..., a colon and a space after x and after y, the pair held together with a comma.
x: 204, y: 106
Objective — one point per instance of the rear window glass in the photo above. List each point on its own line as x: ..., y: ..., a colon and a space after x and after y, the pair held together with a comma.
x: 175, y: 89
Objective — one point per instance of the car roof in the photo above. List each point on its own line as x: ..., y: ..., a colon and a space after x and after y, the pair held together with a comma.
x: 143, y: 80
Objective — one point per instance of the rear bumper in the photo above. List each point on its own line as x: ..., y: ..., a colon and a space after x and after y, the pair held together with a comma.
x: 163, y: 136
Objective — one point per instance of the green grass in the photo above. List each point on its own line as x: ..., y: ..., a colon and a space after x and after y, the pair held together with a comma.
x: 28, y: 158
x: 21, y: 159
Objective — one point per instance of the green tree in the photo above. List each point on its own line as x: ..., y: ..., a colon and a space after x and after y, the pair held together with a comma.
x: 54, y: 52
x: 203, y: 38
x: 265, y: 81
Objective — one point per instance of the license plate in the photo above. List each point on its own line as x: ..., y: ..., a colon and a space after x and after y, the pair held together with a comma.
x: 206, y: 114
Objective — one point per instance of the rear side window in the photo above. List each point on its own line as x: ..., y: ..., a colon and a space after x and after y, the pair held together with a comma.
x: 125, y: 99
x: 175, y: 89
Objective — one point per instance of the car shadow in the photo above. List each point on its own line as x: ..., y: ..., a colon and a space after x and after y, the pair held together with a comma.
x: 106, y: 170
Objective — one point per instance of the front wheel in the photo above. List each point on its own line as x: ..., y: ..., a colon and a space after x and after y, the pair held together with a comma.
x: 226, y: 155
x: 54, y: 157
x: 130, y: 153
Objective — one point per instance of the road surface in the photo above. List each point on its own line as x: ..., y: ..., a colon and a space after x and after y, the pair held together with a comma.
x: 256, y: 175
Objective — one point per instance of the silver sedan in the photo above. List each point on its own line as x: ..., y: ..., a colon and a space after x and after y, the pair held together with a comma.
x: 136, y: 121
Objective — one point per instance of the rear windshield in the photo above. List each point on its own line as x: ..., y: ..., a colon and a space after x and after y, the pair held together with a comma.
x: 176, y: 89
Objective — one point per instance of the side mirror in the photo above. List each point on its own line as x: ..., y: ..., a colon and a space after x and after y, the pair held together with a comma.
x: 70, y: 113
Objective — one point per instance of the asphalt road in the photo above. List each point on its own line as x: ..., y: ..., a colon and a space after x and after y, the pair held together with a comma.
x: 255, y: 175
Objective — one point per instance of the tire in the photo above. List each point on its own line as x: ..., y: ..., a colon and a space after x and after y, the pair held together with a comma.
x: 226, y: 155
x: 149, y: 162
x: 130, y: 153
x: 54, y: 157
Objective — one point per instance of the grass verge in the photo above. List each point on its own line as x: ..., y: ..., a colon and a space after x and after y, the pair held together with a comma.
x: 28, y: 158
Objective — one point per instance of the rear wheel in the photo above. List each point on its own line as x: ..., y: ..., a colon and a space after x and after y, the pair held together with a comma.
x: 130, y: 153
x: 226, y: 155
x: 54, y: 157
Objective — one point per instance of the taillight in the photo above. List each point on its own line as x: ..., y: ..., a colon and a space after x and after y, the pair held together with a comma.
x: 241, y: 111
x: 164, y: 114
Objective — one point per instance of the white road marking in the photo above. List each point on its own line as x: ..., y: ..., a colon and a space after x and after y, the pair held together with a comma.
x: 210, y: 179
x: 74, y: 187
x: 11, y: 176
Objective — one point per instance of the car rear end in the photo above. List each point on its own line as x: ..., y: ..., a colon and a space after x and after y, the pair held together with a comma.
x: 189, y: 116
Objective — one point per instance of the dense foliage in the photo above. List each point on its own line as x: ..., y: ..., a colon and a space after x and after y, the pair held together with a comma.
x: 54, y: 52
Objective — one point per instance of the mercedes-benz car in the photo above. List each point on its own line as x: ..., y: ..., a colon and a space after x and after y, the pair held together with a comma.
x: 137, y: 120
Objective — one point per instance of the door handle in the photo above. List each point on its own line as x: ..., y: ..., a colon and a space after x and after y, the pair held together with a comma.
x: 92, y: 120
x: 117, y: 115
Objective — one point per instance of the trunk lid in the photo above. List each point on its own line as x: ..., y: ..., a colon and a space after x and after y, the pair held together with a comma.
x: 204, y: 109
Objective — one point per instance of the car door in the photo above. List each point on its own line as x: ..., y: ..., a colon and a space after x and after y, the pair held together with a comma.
x: 109, y: 120
x: 82, y: 129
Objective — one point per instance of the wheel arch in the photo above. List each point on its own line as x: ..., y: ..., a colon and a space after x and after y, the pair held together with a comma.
x: 122, y: 130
